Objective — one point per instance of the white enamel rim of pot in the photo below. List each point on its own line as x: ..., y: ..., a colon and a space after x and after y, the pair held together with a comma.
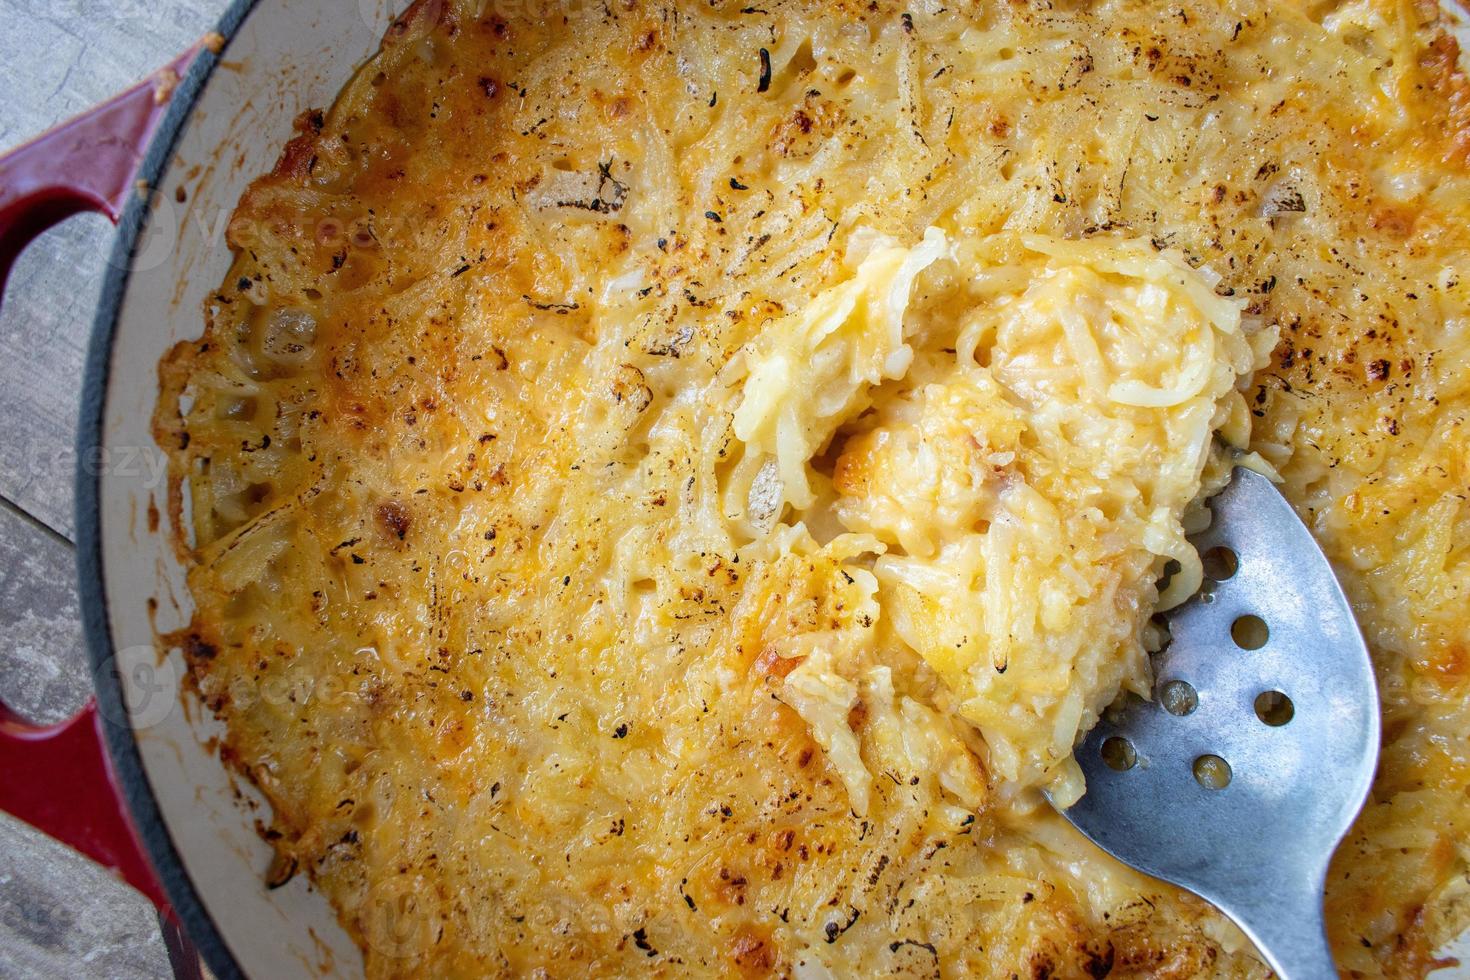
x: 228, y: 120
x: 226, y: 125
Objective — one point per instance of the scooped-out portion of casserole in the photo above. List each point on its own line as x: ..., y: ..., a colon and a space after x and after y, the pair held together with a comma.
x: 666, y: 485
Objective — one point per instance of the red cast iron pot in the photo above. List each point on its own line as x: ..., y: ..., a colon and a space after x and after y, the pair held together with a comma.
x: 134, y: 781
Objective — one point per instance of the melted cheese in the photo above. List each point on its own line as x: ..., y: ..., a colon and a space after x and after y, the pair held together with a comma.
x: 811, y: 373
x: 633, y: 435
x: 1026, y: 471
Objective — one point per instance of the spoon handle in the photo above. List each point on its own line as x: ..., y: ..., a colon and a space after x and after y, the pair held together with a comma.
x: 1289, y: 931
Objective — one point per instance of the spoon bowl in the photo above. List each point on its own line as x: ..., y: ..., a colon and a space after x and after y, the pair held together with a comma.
x: 1240, y: 777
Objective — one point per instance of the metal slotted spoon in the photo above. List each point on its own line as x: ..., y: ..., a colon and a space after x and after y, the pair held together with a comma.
x: 1240, y: 777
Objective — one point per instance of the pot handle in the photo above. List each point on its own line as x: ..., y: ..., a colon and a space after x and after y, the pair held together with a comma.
x: 87, y: 164
x: 59, y: 779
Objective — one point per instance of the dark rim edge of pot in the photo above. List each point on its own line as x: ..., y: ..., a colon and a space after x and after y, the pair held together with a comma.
x: 121, y: 740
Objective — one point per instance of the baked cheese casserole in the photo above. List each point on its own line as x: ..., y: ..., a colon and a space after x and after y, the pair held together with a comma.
x: 666, y: 485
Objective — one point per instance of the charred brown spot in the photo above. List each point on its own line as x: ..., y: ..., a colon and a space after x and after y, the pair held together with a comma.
x: 394, y: 519
x: 1098, y: 962
x: 489, y: 86
x: 630, y: 387
x: 752, y: 953
x: 798, y: 134
x: 195, y: 648
x: 282, y: 869
x: 300, y: 154
x: 1136, y: 949
x: 731, y: 887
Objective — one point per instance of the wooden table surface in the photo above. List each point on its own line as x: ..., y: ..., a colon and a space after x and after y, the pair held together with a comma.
x: 60, y: 915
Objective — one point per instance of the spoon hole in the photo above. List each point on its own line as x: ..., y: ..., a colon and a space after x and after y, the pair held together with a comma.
x: 1274, y: 708
x: 1212, y: 772
x: 1220, y: 564
x: 1118, y: 754
x: 1171, y: 568
x: 1250, y: 632
x: 1179, y: 698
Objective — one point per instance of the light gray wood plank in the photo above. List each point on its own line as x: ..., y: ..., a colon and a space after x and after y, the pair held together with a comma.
x: 43, y: 666
x: 57, y: 58
x: 60, y: 914
x: 44, y: 324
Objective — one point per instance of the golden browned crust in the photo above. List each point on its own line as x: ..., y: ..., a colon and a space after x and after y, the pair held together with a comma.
x: 400, y: 533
